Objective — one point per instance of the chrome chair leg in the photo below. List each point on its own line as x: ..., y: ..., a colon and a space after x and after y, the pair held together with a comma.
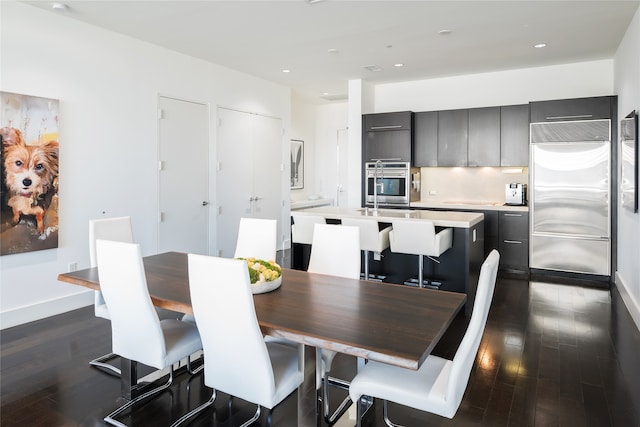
x: 195, y: 411
x: 99, y: 362
x: 110, y: 419
x: 385, y: 414
x: 344, y: 405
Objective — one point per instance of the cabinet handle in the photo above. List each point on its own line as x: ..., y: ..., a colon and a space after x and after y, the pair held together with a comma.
x: 385, y: 127
x: 512, y: 214
x: 517, y: 242
x: 579, y: 116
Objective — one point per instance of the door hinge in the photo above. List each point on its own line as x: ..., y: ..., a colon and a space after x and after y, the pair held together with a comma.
x: 160, y: 216
x: 160, y: 165
x: 160, y: 113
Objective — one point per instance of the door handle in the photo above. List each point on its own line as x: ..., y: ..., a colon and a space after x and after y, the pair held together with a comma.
x: 205, y: 203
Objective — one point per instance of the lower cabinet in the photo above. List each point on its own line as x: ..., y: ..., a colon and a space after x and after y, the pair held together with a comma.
x: 514, y: 241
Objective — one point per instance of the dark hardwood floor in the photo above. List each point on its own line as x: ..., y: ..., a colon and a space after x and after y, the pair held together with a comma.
x: 556, y: 355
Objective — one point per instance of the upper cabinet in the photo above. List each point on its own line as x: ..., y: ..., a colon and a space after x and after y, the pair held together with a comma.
x: 484, y: 137
x: 453, y: 137
x: 514, y: 135
x: 388, y: 136
x: 425, y: 146
x: 491, y: 136
x: 600, y: 107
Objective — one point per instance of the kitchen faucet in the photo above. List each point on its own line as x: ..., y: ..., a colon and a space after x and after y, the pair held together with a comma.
x: 375, y: 185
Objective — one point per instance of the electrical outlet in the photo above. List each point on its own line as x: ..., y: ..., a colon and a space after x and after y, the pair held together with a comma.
x: 73, y: 266
x: 433, y: 193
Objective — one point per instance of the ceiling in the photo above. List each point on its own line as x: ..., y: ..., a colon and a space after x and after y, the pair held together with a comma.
x: 326, y: 43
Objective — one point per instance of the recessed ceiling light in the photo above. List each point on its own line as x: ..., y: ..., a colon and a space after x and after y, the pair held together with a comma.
x: 444, y: 32
x: 286, y: 71
x: 333, y: 50
x: 59, y: 6
x: 540, y: 45
x: 399, y: 64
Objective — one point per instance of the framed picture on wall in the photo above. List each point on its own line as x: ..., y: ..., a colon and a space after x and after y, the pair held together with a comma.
x: 29, y: 179
x: 297, y: 164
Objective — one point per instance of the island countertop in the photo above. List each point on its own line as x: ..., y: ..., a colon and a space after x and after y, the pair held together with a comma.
x: 439, y: 218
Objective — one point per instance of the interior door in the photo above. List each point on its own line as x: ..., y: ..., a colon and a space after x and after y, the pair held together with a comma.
x: 183, y: 176
x: 234, y: 177
x: 249, y: 173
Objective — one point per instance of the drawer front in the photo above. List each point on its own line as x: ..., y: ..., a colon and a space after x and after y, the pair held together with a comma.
x: 514, y: 226
x: 514, y: 254
x: 388, y: 121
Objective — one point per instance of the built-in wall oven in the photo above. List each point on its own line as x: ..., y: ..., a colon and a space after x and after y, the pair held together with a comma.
x: 394, y: 184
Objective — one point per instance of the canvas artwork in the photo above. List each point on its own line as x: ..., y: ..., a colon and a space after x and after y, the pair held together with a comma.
x: 297, y: 164
x: 29, y: 188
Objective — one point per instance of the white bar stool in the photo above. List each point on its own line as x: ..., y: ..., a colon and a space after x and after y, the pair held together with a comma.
x: 302, y: 235
x: 418, y: 237
x: 372, y: 239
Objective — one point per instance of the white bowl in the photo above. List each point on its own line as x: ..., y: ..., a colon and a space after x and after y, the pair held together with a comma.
x: 262, y: 287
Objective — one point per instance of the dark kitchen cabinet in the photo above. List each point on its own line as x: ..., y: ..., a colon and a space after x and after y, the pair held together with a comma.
x: 572, y: 109
x: 514, y: 135
x: 484, y: 137
x: 425, y: 145
x: 453, y: 137
x: 388, y: 136
x: 491, y: 231
x: 514, y: 241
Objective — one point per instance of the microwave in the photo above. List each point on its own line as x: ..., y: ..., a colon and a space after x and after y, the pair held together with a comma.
x: 398, y: 184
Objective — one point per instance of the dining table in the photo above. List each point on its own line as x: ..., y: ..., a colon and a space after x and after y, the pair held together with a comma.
x: 395, y: 324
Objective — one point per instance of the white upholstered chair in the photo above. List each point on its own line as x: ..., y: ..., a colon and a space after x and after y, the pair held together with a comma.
x: 257, y: 238
x: 372, y: 239
x: 115, y: 229
x: 335, y: 251
x: 303, y: 226
x: 419, y: 238
x: 237, y: 359
x: 439, y: 384
x: 137, y: 332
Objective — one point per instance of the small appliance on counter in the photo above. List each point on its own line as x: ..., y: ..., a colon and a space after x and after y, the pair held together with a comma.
x: 515, y: 194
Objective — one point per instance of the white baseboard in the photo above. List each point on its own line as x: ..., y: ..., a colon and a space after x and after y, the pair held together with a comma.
x: 629, y: 300
x: 21, y: 315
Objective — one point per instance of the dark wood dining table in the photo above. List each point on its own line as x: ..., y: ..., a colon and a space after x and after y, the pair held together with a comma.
x: 395, y: 324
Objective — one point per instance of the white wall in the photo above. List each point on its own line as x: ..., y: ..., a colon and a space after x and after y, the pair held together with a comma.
x: 512, y: 87
x: 108, y: 87
x: 627, y: 86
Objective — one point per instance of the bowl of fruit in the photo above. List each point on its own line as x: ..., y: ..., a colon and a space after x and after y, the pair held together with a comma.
x: 265, y: 276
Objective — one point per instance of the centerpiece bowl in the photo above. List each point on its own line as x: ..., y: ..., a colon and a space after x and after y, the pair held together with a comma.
x: 265, y: 276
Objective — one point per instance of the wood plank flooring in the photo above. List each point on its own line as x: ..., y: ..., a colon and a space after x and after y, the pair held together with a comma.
x: 551, y: 355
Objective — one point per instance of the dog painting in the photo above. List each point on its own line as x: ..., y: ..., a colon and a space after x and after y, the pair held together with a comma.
x: 29, y: 192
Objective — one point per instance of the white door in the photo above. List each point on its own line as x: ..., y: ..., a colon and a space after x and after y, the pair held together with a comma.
x: 249, y: 176
x: 184, y: 175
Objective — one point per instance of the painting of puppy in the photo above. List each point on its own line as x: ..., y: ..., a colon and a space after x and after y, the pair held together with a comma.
x: 30, y: 176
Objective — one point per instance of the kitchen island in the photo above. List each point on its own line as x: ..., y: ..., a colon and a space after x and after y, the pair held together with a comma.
x: 459, y: 267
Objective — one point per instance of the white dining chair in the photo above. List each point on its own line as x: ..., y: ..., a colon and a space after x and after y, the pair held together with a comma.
x: 335, y: 251
x: 420, y: 238
x: 372, y: 239
x: 137, y: 332
x: 237, y: 360
x: 257, y: 238
x: 439, y: 384
x: 117, y: 229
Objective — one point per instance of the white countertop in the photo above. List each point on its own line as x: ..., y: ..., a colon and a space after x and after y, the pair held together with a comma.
x: 439, y: 218
x: 309, y: 203
x: 468, y: 205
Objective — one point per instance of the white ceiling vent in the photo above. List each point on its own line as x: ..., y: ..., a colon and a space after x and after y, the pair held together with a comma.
x: 373, y: 68
x: 337, y: 97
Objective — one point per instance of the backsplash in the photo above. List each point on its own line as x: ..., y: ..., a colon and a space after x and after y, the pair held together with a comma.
x: 441, y: 184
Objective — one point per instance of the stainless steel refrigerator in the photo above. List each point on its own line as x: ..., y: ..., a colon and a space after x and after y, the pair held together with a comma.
x: 569, y: 196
